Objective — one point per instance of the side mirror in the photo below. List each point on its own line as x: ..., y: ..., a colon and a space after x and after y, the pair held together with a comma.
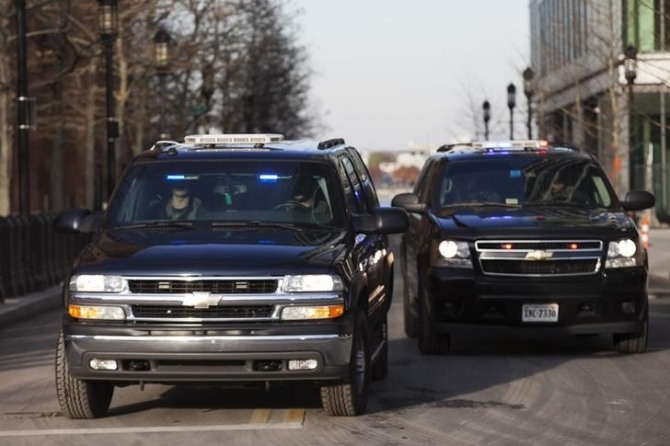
x: 381, y: 221
x: 77, y: 220
x: 409, y: 202
x: 637, y: 200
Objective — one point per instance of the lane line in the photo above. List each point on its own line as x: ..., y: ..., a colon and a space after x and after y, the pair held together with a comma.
x: 294, y: 416
x: 259, y: 416
x: 150, y: 429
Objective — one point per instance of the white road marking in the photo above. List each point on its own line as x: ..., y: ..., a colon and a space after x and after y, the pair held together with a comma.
x: 149, y: 429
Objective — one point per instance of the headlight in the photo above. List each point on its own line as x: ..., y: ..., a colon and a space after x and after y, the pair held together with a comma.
x: 96, y: 312
x: 310, y: 283
x: 452, y: 253
x: 98, y: 282
x: 622, y: 254
x: 312, y: 312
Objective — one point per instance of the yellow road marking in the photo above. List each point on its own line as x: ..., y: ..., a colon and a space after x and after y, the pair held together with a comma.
x: 260, y: 416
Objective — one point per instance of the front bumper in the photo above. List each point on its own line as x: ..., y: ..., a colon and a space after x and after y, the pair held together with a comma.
x: 614, y: 301
x: 196, y: 354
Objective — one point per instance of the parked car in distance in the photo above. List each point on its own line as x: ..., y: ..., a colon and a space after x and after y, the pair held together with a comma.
x: 521, y: 235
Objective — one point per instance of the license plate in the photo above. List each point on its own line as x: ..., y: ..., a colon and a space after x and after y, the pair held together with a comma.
x: 539, y: 313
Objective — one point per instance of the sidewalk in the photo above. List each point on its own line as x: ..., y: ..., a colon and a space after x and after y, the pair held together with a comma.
x: 16, y: 308
x: 659, y: 283
x: 659, y: 262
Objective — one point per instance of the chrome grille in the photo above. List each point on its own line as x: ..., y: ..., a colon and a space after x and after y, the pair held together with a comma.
x: 218, y: 312
x: 218, y: 286
x: 539, y: 257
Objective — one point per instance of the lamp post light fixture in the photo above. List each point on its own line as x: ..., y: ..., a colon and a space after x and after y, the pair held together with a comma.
x: 529, y: 91
x: 487, y: 117
x: 108, y: 21
x: 162, y: 60
x: 630, y: 63
x: 630, y: 70
x: 511, y: 103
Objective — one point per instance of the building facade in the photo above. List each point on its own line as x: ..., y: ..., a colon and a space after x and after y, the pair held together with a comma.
x: 602, y: 77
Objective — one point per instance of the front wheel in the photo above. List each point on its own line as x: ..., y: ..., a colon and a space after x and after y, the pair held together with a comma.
x: 636, y: 342
x: 380, y: 368
x: 431, y: 342
x: 349, y: 397
x: 80, y: 399
x: 410, y: 320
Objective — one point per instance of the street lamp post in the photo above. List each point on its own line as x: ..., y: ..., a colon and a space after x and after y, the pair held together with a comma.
x: 23, y: 109
x: 108, y: 28
x: 207, y: 91
x: 511, y: 103
x: 161, y: 54
x: 487, y: 117
x: 630, y: 71
x: 529, y: 91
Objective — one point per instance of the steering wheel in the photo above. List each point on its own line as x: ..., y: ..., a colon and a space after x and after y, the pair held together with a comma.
x: 291, y: 206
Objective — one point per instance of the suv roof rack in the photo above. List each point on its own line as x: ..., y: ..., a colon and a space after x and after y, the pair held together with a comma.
x: 162, y: 144
x: 327, y: 144
x: 448, y: 147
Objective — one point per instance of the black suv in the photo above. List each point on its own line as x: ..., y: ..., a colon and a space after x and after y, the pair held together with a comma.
x: 224, y: 258
x: 526, y: 235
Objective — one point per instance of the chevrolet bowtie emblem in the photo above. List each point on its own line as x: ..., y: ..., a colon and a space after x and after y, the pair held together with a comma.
x: 538, y: 254
x: 200, y: 299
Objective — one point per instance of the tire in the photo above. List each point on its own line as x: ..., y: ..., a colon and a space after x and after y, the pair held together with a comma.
x: 380, y: 368
x: 430, y: 341
x: 80, y: 399
x: 411, y: 322
x: 629, y: 343
x: 349, y: 397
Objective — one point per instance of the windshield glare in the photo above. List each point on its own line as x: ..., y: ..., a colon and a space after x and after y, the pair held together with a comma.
x: 524, y: 181
x: 297, y: 193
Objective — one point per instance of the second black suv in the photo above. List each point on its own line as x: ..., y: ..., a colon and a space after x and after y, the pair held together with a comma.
x: 522, y: 234
x: 240, y: 258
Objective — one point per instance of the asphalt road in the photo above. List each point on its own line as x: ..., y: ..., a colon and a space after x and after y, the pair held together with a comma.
x: 514, y: 390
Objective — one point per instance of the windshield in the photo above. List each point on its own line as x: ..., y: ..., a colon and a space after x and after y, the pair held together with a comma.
x: 227, y: 193
x: 523, y: 181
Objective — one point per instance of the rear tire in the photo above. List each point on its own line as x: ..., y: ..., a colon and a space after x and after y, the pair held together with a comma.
x: 80, y: 399
x: 349, y: 397
x: 430, y: 341
x: 629, y: 343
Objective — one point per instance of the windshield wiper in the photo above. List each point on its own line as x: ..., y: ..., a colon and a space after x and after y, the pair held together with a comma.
x: 254, y: 224
x: 159, y: 225
x: 481, y: 203
x: 558, y: 204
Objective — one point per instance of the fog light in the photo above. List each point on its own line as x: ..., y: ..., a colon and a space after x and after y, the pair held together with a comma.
x: 103, y: 364
x: 302, y: 364
x: 628, y: 307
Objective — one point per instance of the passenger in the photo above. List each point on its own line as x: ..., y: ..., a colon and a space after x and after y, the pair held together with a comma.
x: 560, y: 191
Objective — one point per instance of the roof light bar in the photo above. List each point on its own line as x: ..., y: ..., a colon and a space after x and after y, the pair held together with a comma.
x: 239, y: 138
x: 513, y: 145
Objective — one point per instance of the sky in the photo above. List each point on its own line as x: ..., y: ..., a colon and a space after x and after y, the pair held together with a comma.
x: 412, y: 74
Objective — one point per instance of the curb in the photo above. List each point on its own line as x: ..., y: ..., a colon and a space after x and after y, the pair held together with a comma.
x: 15, y: 309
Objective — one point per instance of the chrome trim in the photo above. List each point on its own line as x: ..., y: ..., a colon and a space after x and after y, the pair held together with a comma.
x: 521, y: 255
x: 227, y: 299
x: 209, y: 339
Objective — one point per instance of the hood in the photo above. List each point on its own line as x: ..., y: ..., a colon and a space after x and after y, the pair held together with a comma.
x: 558, y: 221
x: 215, y: 252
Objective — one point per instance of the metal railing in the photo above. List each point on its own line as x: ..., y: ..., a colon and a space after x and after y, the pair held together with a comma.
x: 33, y: 256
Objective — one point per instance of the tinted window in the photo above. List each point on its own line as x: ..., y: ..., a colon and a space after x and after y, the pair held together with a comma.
x: 523, y: 181
x: 222, y: 191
